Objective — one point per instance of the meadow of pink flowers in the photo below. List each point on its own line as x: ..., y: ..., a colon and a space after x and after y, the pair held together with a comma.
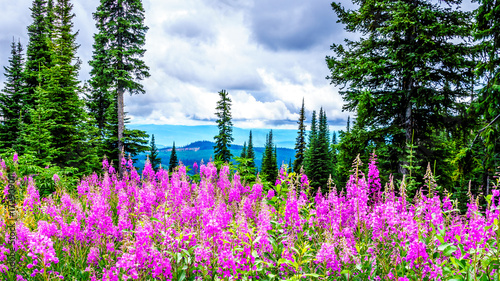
x: 168, y: 227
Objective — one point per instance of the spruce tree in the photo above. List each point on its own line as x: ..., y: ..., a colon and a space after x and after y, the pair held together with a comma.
x: 117, y: 63
x: 319, y: 161
x: 244, y: 150
x: 407, y: 74
x: 154, y: 158
x: 324, y: 156
x: 487, y: 105
x: 39, y: 55
x: 311, y: 145
x: 224, y: 138
x: 38, y: 135
x: 57, y: 110
x: 334, y: 157
x: 250, y: 153
x: 269, y: 169
x: 275, y: 159
x: 174, y: 162
x: 11, y: 99
x: 63, y: 89
x: 300, y: 144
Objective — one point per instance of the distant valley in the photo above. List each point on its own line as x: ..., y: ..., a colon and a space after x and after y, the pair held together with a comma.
x: 203, y: 150
x: 165, y: 135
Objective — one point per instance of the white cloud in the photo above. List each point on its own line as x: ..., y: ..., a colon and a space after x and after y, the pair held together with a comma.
x: 195, y: 48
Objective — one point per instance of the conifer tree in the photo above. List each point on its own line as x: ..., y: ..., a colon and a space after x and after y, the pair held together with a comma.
x: 486, y: 107
x: 300, y: 144
x: 269, y: 169
x: 63, y: 88
x: 39, y: 55
x: 57, y: 110
x: 11, y: 99
x: 117, y: 64
x: 174, y: 162
x: 319, y: 166
x: 154, y: 158
x: 244, y: 150
x: 311, y: 144
x: 334, y: 155
x: 275, y: 159
x: 225, y: 137
x: 408, y: 73
x: 250, y: 153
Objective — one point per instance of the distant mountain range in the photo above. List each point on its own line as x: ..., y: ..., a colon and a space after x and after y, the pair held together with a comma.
x: 165, y: 135
x: 203, y: 150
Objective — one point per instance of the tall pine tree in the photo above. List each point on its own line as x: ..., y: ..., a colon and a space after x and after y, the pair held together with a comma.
x: 117, y: 64
x: 154, y: 157
x: 407, y: 73
x: 57, y: 112
x: 319, y: 161
x: 225, y: 137
x: 487, y: 105
x: 300, y: 144
x: 269, y: 169
x: 173, y: 162
x: 39, y: 55
x: 250, y: 153
x: 63, y: 88
x: 11, y: 98
x: 311, y: 144
x: 244, y: 150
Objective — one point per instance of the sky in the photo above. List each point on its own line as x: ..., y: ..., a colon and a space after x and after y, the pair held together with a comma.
x: 268, y: 54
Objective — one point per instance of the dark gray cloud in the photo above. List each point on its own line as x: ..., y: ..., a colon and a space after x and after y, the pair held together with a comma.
x: 292, y: 24
x: 194, y: 29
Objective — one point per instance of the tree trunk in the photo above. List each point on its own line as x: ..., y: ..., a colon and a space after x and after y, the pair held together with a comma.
x: 121, y: 127
x: 408, y: 86
x: 119, y: 92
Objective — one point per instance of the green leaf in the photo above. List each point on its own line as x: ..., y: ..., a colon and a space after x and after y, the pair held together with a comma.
x: 183, y: 276
x: 254, y: 254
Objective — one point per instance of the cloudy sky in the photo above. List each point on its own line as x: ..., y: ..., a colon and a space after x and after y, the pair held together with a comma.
x: 268, y: 54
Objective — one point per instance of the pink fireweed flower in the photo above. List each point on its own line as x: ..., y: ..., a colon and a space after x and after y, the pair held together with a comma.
x: 417, y: 250
x: 124, y: 162
x: 270, y: 194
x: 41, y: 246
x: 93, y: 256
x: 327, y: 255
x: 105, y: 164
x: 148, y: 172
x: 292, y: 217
x: 278, y: 182
x: 374, y: 185
x: 282, y: 173
x: 256, y: 194
x: 304, y: 181
x: 56, y: 178
x: 15, y: 159
x: 3, y: 259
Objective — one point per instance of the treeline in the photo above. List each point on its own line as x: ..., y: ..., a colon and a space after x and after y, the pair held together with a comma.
x: 316, y: 151
x: 48, y: 114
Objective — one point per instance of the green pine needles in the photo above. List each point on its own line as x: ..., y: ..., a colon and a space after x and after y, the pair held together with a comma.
x: 225, y: 137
